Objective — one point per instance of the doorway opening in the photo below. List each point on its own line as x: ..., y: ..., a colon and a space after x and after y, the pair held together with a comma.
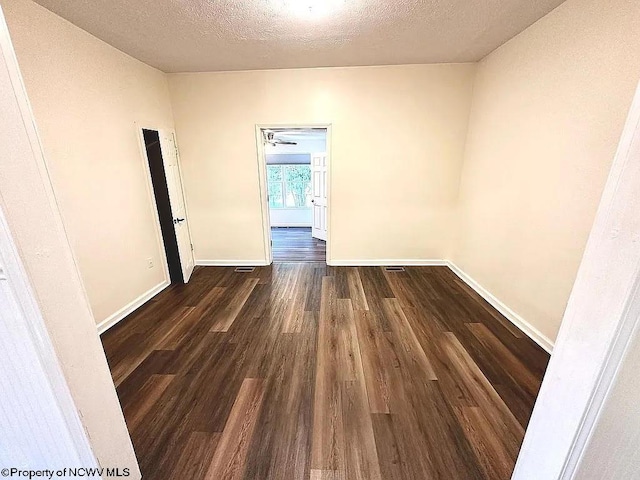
x: 295, y: 163
x: 166, y: 181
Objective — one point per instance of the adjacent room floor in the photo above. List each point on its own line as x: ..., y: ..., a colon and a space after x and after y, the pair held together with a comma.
x: 303, y: 371
x: 295, y: 244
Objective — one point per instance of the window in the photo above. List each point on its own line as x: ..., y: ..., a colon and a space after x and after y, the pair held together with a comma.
x: 289, y: 186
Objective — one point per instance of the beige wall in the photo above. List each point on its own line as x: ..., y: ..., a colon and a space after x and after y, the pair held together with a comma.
x: 86, y: 96
x: 548, y: 108
x: 27, y: 202
x: 397, y: 148
x: 548, y: 111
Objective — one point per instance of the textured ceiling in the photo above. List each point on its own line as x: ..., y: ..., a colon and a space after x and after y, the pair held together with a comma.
x: 215, y: 35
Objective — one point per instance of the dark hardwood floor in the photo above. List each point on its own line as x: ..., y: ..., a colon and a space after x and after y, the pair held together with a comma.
x: 297, y: 245
x: 303, y: 371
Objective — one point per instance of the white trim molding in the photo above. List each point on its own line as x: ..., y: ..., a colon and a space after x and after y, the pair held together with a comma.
x: 232, y: 263
x: 388, y: 263
x: 543, y: 341
x: 532, y: 332
x: 263, y: 187
x: 128, y: 309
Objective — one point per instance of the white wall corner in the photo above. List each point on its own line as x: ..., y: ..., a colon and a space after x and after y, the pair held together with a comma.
x: 542, y: 340
x: 112, y: 320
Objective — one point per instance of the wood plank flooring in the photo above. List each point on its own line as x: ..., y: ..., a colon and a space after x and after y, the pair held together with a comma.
x: 304, y: 371
x: 294, y: 244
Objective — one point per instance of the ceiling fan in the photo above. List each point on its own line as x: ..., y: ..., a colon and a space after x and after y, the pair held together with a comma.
x: 271, y: 139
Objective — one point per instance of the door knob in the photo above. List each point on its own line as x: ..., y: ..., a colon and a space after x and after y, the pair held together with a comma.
x: 178, y: 220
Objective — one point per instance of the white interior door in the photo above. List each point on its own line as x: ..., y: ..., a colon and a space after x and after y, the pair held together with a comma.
x: 319, y: 192
x: 176, y: 197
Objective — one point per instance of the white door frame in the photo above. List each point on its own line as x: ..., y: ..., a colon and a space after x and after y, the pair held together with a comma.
x: 152, y: 198
x: 602, y: 314
x: 35, y: 373
x: 151, y: 195
x: 263, y: 185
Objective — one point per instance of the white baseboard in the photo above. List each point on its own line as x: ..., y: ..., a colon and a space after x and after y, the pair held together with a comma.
x: 532, y: 332
x: 512, y: 316
x: 387, y: 263
x: 129, y: 308
x: 232, y: 263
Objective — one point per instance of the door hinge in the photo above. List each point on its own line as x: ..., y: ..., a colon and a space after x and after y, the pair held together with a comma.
x: 192, y: 247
